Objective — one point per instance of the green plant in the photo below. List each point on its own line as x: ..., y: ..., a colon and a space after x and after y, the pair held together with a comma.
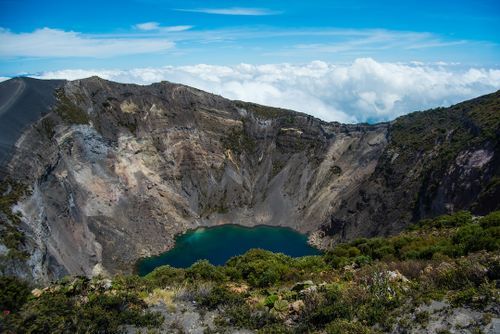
x: 342, y: 326
x: 422, y: 318
x: 68, y: 111
x: 221, y: 295
x: 14, y: 293
x: 204, y: 270
x: 76, y: 307
x: 264, y: 111
x: 239, y: 141
x: 270, y: 300
x: 261, y: 268
x: 11, y: 192
x: 280, y: 309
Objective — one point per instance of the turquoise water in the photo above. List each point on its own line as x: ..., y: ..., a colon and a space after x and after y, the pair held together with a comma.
x: 219, y: 244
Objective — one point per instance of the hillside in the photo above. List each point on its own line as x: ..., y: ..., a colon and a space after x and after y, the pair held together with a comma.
x: 112, y: 172
x: 22, y: 101
x: 437, y: 161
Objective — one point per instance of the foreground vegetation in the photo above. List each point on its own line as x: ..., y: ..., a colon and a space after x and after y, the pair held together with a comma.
x: 364, y: 286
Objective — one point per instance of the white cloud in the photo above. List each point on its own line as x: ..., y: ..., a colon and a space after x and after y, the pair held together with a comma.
x: 233, y: 11
x: 4, y: 78
x: 155, y: 26
x: 364, y: 90
x: 175, y: 28
x: 148, y: 26
x: 48, y: 42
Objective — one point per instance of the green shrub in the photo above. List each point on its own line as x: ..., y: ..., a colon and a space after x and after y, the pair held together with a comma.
x: 220, y: 296
x: 445, y: 221
x: 384, y: 251
x: 362, y: 260
x: 275, y: 328
x: 353, y: 251
x: 270, y: 300
x: 128, y: 282
x: 14, y: 293
x: 239, y: 141
x: 165, y: 275
x: 464, y: 296
x: 68, y: 111
x: 473, y: 237
x: 337, y: 261
x: 490, y: 220
x: 310, y: 264
x: 242, y: 316
x: 11, y: 192
x: 204, y: 270
x: 342, y: 326
x: 88, y: 311
x: 262, y: 268
x: 332, y: 308
x: 422, y: 318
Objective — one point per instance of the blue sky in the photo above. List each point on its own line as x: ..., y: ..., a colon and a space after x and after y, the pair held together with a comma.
x: 232, y: 32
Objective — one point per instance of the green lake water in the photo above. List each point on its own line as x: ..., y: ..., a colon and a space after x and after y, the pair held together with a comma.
x: 219, y: 244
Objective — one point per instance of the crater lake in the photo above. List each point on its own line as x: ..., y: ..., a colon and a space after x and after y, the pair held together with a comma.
x: 218, y: 244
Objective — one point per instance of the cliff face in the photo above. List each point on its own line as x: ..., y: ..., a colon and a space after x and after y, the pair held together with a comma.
x: 436, y: 162
x: 114, y: 171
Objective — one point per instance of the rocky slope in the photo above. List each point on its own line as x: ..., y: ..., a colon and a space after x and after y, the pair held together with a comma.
x: 114, y: 171
x: 436, y: 162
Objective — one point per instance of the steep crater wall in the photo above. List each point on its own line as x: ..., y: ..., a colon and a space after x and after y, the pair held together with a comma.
x: 115, y: 171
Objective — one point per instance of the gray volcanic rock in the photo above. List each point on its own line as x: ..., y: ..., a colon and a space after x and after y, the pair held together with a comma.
x: 436, y: 162
x: 22, y: 102
x: 117, y: 170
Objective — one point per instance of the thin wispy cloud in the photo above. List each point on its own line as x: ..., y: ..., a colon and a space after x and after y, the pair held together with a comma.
x: 232, y: 11
x: 153, y: 37
x: 372, y: 40
x: 147, y: 26
x: 155, y: 26
x: 48, y: 42
x: 436, y: 44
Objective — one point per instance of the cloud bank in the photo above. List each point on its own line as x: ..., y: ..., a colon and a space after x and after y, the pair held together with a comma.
x: 362, y: 91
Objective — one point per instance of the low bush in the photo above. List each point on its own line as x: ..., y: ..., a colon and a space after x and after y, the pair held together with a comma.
x: 165, y: 275
x: 205, y: 271
x: 221, y: 296
x: 261, y: 268
x: 77, y: 307
x: 452, y: 236
x: 14, y: 293
x: 342, y: 326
